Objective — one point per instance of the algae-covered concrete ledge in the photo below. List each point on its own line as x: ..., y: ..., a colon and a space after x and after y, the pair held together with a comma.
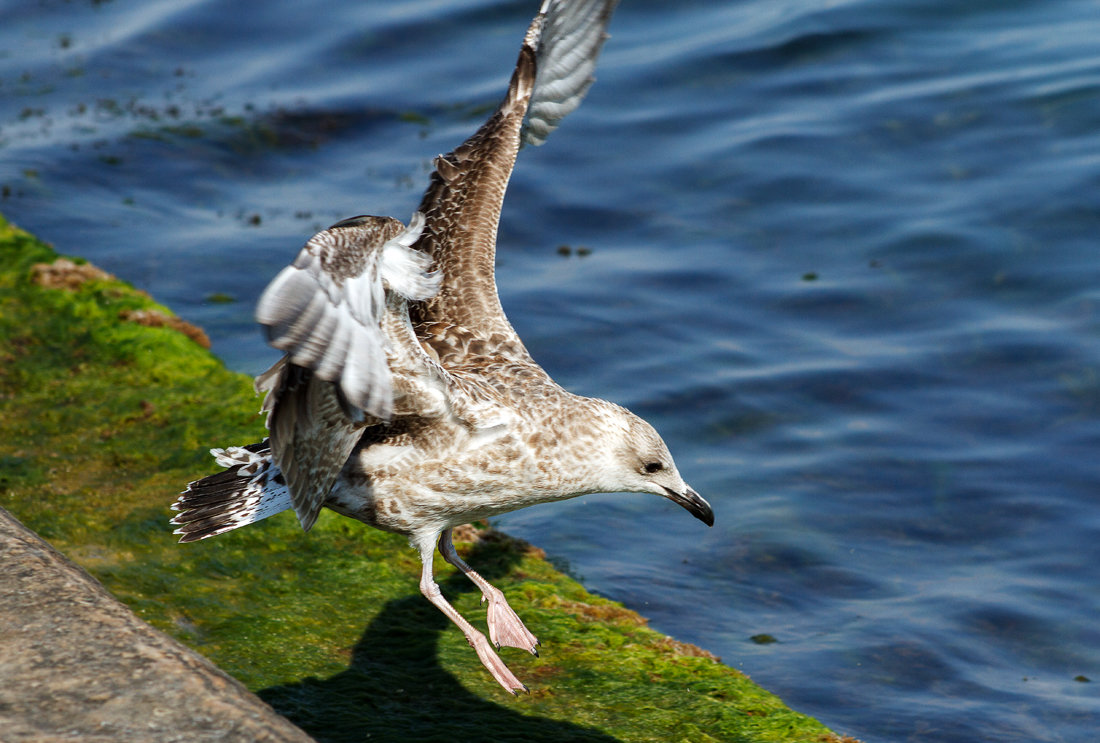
x: 107, y: 406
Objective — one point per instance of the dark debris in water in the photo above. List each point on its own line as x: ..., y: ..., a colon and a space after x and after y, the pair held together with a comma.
x: 581, y: 251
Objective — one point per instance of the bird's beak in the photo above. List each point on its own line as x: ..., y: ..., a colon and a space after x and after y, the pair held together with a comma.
x: 694, y: 504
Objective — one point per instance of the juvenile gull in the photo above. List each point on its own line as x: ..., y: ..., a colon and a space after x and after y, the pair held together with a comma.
x: 404, y: 398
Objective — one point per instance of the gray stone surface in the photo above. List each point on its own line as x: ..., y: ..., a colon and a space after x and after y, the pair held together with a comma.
x: 75, y: 664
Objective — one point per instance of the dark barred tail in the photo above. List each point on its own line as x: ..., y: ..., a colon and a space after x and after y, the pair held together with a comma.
x: 251, y: 489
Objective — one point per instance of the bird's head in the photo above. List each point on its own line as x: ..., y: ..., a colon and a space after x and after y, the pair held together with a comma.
x: 643, y: 464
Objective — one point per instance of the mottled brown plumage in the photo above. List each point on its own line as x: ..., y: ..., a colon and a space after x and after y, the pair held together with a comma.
x: 405, y: 399
x: 462, y: 210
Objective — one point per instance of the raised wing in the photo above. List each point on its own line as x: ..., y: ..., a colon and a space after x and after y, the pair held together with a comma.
x: 339, y: 312
x: 463, y: 202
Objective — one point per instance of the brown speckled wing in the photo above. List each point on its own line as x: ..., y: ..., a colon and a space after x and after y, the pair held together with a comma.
x: 462, y: 209
x: 463, y: 202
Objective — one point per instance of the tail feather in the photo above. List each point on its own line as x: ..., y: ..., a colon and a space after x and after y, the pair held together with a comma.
x: 251, y: 489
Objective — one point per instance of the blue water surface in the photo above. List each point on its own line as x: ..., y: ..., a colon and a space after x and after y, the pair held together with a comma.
x: 844, y: 255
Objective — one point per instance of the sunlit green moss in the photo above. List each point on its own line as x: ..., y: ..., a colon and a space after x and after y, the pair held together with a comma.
x: 101, y: 423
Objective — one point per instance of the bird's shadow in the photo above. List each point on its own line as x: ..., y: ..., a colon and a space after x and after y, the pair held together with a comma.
x: 395, y: 689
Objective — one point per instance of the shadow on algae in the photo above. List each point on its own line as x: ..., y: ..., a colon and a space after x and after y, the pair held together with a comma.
x: 396, y: 689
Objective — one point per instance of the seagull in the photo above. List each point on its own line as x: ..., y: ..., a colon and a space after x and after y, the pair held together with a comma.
x: 404, y: 399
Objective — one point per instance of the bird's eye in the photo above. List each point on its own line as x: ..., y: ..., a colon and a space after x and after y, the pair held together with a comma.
x: 652, y: 467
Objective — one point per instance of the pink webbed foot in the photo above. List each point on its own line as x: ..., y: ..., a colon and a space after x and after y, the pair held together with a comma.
x: 506, y: 629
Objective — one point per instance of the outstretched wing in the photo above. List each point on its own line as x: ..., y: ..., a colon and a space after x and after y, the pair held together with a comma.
x: 463, y: 202
x: 339, y: 312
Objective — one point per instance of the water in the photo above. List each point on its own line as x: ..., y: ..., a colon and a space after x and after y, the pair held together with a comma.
x: 842, y: 254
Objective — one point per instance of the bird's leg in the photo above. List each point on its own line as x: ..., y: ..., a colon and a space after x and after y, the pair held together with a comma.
x: 478, y: 641
x: 505, y: 626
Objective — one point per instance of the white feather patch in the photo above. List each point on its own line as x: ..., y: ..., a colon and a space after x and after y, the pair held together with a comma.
x: 404, y: 269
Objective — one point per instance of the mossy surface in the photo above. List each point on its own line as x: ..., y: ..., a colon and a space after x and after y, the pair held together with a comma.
x: 103, y: 420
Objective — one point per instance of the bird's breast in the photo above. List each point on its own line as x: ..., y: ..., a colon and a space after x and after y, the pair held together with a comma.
x: 485, y: 473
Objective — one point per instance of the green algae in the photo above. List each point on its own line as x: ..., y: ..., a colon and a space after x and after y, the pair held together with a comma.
x: 102, y: 421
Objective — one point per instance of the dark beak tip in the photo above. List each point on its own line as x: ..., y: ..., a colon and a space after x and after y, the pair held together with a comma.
x: 700, y: 508
x: 704, y: 513
x: 694, y: 504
